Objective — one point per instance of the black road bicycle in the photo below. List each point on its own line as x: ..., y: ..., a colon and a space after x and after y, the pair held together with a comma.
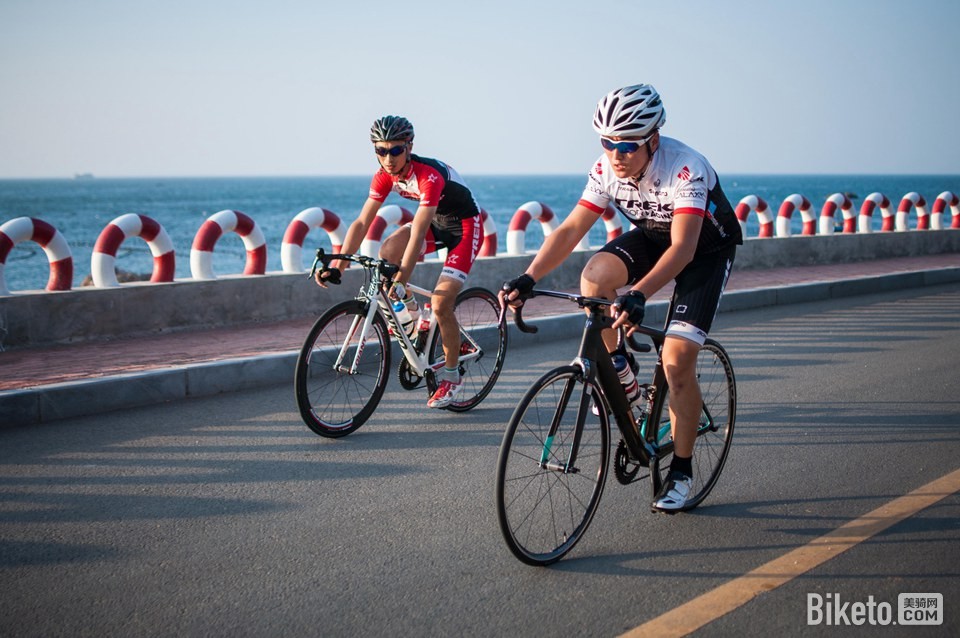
x: 555, y: 453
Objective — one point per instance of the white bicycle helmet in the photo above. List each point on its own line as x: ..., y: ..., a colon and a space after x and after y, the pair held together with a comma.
x: 633, y: 111
x: 390, y: 128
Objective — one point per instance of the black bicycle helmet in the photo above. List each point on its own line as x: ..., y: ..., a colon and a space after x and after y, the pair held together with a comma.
x: 391, y: 128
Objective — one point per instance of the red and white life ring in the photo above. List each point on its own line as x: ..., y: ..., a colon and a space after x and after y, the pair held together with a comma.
x: 291, y: 250
x: 517, y: 232
x: 104, y: 258
x: 944, y: 199
x: 50, y: 239
x: 830, y: 206
x: 754, y: 203
x: 489, y: 246
x: 390, y: 215
x: 613, y: 224
x: 909, y: 201
x: 201, y: 254
x: 784, y: 215
x: 872, y: 201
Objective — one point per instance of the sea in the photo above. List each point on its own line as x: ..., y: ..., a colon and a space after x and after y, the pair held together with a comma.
x: 81, y: 207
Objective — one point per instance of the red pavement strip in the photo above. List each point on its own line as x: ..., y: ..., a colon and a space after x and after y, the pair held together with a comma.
x: 33, y: 367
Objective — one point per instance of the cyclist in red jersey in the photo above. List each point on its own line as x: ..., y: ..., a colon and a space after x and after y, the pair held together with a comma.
x: 447, y: 217
x: 685, y: 230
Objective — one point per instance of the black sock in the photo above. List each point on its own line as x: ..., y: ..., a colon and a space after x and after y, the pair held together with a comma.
x: 683, y: 465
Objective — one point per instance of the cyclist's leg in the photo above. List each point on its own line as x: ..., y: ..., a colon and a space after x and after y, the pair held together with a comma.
x: 621, y: 262
x: 393, y: 246
x: 696, y: 298
x: 443, y: 301
x: 462, y: 239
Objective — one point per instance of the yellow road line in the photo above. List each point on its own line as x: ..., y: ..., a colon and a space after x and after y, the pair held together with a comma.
x: 707, y: 607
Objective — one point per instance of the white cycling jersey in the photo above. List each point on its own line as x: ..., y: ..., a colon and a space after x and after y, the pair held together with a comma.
x: 679, y: 180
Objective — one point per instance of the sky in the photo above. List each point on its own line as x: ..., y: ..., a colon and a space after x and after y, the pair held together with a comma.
x: 173, y: 88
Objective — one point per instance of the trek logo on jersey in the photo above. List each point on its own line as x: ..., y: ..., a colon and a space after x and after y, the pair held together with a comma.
x: 645, y: 206
x: 684, y: 174
x: 599, y: 168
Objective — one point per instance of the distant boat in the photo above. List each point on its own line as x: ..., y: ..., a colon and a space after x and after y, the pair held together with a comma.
x: 83, y: 176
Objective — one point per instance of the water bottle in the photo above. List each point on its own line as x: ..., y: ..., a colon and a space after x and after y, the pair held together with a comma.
x: 628, y: 380
x: 425, y: 316
x: 405, y: 314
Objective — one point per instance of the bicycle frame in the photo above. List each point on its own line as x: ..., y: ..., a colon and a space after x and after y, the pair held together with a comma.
x: 377, y: 273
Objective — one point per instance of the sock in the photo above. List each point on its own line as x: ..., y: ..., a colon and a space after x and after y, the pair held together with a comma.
x: 451, y: 374
x: 682, y: 465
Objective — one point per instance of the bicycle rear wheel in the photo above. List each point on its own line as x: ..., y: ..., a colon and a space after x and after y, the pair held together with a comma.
x: 483, y: 346
x: 333, y: 401
x: 544, y: 502
x: 715, y: 430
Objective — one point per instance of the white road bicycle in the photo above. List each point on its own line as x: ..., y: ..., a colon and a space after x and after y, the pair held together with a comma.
x: 343, y: 365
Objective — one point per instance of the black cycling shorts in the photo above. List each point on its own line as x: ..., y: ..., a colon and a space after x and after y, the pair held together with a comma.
x: 699, y: 285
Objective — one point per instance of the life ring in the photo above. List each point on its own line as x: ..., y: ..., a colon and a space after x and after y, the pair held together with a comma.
x: 872, y: 201
x: 830, y: 206
x: 291, y: 249
x: 489, y: 246
x: 754, y: 203
x: 104, y: 258
x: 516, y: 233
x: 611, y: 221
x: 201, y: 254
x: 784, y: 215
x: 52, y: 241
x: 386, y: 216
x: 903, y: 212
x: 944, y: 199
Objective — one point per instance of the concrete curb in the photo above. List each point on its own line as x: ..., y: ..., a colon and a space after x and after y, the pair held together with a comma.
x: 82, y: 398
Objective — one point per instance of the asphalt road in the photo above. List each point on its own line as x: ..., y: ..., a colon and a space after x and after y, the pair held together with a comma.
x: 227, y: 516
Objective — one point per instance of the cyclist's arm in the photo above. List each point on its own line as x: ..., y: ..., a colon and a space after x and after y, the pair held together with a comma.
x: 561, y: 242
x: 684, y: 235
x: 358, y: 230
x: 418, y: 232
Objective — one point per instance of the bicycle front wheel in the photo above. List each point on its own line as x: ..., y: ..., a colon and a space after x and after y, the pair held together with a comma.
x: 341, y: 373
x: 483, y: 346
x: 715, y: 429
x: 552, y: 467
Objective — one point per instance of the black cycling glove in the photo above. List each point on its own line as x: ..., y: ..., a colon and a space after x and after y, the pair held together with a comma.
x: 523, y: 285
x: 332, y: 276
x: 633, y: 303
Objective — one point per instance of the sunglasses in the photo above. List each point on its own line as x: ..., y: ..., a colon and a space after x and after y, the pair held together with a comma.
x: 623, y: 147
x: 393, y: 151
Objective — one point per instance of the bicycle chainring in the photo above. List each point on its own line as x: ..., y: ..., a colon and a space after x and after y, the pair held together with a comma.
x: 625, y: 469
x: 409, y: 380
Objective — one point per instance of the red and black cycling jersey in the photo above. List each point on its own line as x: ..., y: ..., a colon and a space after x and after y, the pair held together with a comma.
x: 431, y: 183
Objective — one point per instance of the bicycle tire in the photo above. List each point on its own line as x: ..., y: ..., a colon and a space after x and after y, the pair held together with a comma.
x: 718, y: 387
x: 543, y: 512
x: 333, y: 403
x: 478, y: 313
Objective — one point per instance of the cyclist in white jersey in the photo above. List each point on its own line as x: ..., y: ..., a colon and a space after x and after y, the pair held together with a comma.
x: 685, y: 230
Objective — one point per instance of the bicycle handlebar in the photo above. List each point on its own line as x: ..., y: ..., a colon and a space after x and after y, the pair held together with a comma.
x: 387, y: 269
x: 583, y: 302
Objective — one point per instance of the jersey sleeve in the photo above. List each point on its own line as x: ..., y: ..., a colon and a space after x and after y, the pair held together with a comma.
x: 380, y: 186
x: 431, y: 184
x: 692, y: 179
x: 595, y: 196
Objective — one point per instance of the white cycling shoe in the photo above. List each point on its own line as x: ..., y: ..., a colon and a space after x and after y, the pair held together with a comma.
x: 674, y: 493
